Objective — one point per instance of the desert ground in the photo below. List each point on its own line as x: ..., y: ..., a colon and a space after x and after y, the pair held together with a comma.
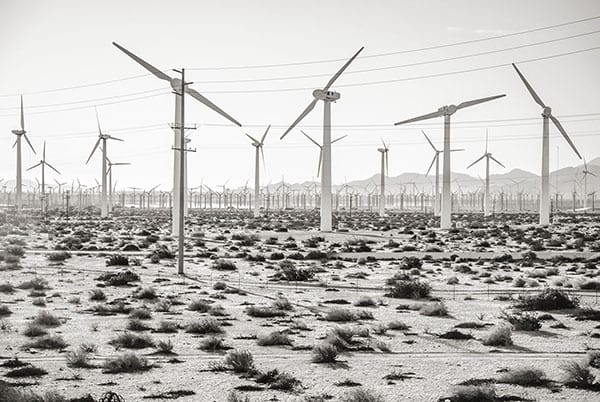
x: 271, y: 309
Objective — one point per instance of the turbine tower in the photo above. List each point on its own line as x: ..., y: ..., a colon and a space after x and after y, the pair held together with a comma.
x: 384, y: 171
x: 102, y: 137
x: 446, y: 112
x: 20, y: 133
x: 259, y: 148
x: 43, y: 164
x: 178, y: 144
x: 545, y: 182
x: 110, y: 185
x: 486, y: 195
x: 327, y: 97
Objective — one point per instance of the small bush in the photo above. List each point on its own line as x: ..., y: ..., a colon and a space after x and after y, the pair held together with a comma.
x: 365, y: 301
x: 48, y: 342
x: 275, y: 338
x: 501, y: 335
x: 122, y: 278
x: 127, y: 363
x: 97, y: 295
x: 132, y: 341
x: 136, y: 324
x: 32, y: 330
x: 4, y: 310
x: 224, y: 265
x: 437, y: 309
x: 26, y: 371
x: 324, y: 353
x: 523, y: 322
x: 264, y: 312
x: 526, y: 377
x: 200, y: 306
x: 213, y: 344
x: 240, y: 361
x: 548, y: 299
x: 362, y: 395
x: 473, y: 393
x: 166, y: 326
x: 204, y: 326
x: 220, y: 286
x: 141, y: 313
x: 408, y: 289
x: 117, y: 260
x: 577, y: 375
x: 78, y: 359
x: 146, y: 294
x: 6, y: 287
x: 165, y: 347
x: 46, y: 319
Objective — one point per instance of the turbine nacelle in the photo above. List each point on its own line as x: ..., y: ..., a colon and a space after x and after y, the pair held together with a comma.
x: 448, y: 110
x: 330, y: 96
x: 547, y: 111
x: 18, y: 132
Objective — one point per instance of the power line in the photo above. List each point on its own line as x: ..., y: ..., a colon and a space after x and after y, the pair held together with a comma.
x: 248, y: 67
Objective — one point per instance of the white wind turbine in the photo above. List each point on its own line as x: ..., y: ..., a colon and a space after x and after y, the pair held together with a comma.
x: 327, y: 97
x: 110, y: 185
x: 321, y: 149
x: 20, y: 133
x: 446, y: 112
x: 102, y: 137
x: 585, y: 172
x: 176, y: 84
x: 384, y: 171
x: 43, y: 164
x: 436, y: 160
x: 259, y: 149
x: 545, y: 182
x: 487, y: 155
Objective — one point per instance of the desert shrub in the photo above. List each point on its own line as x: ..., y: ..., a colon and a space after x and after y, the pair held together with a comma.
x: 365, y: 301
x: 407, y: 289
x: 548, y: 299
x: 264, y: 312
x: 593, y: 359
x: 587, y: 314
x: 282, y: 303
x: 6, y: 287
x: 224, y: 265
x: 363, y: 395
x: 324, y: 353
x: 136, y: 324
x: 16, y: 251
x: 276, y: 256
x: 289, y: 272
x: 111, y: 309
x: 220, y: 286
x: 97, y: 295
x: 35, y: 284
x: 48, y: 342
x: 141, y: 313
x: 501, y: 335
x: 523, y: 322
x: 200, y: 306
x: 39, y: 302
x: 316, y: 255
x: 122, y: 278
x: 240, y: 361
x: 213, y: 344
x: 278, y: 380
x: 165, y: 347
x: 275, y: 338
x: 163, y: 306
x: 46, y: 319
x: 4, y: 310
x: 234, y: 396
x: 78, y: 358
x: 473, y: 393
x: 398, y: 326
x: 577, y: 375
x: 204, y: 326
x: 32, y: 330
x: 590, y: 285
x: 26, y: 371
x: 340, y: 315
x: 128, y: 340
x: 117, y: 260
x: 148, y: 293
x: 127, y: 363
x: 524, y: 376
x: 437, y: 309
x: 59, y: 256
x: 166, y: 326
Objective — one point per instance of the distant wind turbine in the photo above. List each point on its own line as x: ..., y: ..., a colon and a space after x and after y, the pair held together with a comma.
x: 259, y: 149
x: 545, y: 180
x: 327, y: 97
x: 384, y: 171
x: 487, y: 155
x: 585, y: 172
x: 102, y: 137
x: 446, y: 112
x: 20, y: 133
x: 110, y: 185
x: 43, y: 163
x: 321, y: 149
x: 176, y: 84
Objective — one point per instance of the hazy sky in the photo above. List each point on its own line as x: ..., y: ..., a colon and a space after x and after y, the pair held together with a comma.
x: 48, y: 45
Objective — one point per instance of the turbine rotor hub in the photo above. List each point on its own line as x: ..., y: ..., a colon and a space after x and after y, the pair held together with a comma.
x: 547, y: 111
x: 328, y: 96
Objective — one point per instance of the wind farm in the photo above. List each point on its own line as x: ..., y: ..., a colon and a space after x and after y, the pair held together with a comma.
x: 179, y: 253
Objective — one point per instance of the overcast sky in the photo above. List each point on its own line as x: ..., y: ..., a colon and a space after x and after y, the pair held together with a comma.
x: 49, y: 45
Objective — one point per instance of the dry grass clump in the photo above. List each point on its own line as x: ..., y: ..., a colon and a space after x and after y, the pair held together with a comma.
x: 167, y: 326
x: 26, y: 371
x: 548, y: 299
x: 325, y: 353
x: 117, y: 260
x: 213, y: 344
x: 398, y: 326
x: 200, y: 306
x: 264, y: 312
x: 127, y: 363
x: 283, y: 304
x: 525, y: 376
x: 48, y: 342
x: 235, y: 396
x: 35, y: 284
x: 345, y: 315
x: 32, y: 330
x: 435, y: 309
x: 122, y: 278
x: 277, y: 380
x: 473, y: 393
x: 165, y: 347
x: 204, y: 326
x: 163, y: 306
x: 79, y: 358
x: 579, y: 375
x: 7, y: 287
x: 365, y: 301
x: 523, y: 322
x: 132, y: 341
x: 224, y: 265
x: 148, y: 293
x: 363, y: 395
x: 501, y: 335
x: 141, y: 313
x: 275, y: 338
x: 4, y: 310
x: 97, y: 295
x: 240, y: 361
x: 136, y: 324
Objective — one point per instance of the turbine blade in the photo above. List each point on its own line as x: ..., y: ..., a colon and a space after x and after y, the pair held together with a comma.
x: 496, y: 160
x: 341, y: 70
x: 534, y: 95
x: 486, y: 140
x: 478, y: 101
x: 93, y: 150
x: 196, y: 95
x: 252, y: 138
x: 262, y: 154
x: 429, y: 141
x: 456, y: 150
x: 29, y: 143
x: 22, y: 115
x: 476, y: 161
x: 306, y: 111
x: 387, y: 164
x: 52, y: 167
x: 313, y: 141
x: 144, y: 64
x: 34, y: 166
x: 262, y: 140
x: 320, y: 162
x: 428, y: 116
x: 431, y: 165
x: 110, y: 137
x: 44, y: 152
x: 340, y: 138
x: 564, y: 133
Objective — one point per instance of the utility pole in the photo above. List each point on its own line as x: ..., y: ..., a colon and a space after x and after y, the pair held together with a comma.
x: 182, y: 174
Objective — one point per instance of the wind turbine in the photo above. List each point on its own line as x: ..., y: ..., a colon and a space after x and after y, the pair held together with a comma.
x: 486, y: 195
x: 177, y: 86
x: 585, y: 172
x: 384, y: 171
x: 321, y: 149
x: 545, y: 182
x: 327, y: 97
x: 259, y: 147
x: 110, y: 185
x: 436, y: 160
x: 102, y: 137
x: 20, y: 133
x: 43, y: 164
x: 446, y: 112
